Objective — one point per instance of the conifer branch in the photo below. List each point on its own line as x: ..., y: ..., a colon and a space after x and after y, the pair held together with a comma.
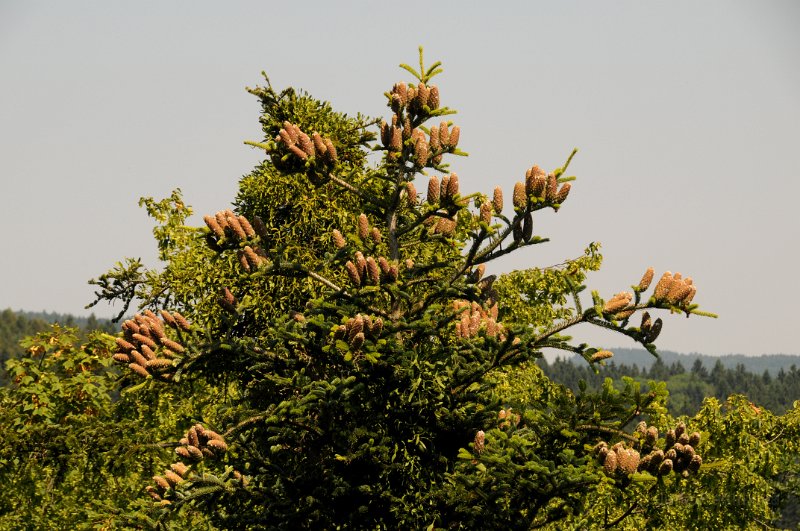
x: 606, y: 429
x: 624, y: 515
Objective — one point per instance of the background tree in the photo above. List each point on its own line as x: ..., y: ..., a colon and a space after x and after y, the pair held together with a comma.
x: 75, y: 452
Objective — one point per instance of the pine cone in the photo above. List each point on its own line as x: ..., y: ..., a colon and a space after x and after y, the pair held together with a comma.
x: 161, y: 482
x: 180, y: 469
x: 601, y: 355
x: 433, y: 190
x: 520, y: 199
x: 433, y: 98
x: 497, y: 200
x: 527, y: 227
x: 480, y: 441
x: 352, y: 272
x: 647, y: 278
x: 452, y: 186
x: 411, y: 193
x: 363, y: 226
x: 172, y: 478
x: 610, y: 464
x: 338, y: 239
x: 562, y: 193
x: 358, y: 341
x: 373, y: 272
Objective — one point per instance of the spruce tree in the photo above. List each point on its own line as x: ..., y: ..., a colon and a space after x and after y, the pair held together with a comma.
x: 371, y: 369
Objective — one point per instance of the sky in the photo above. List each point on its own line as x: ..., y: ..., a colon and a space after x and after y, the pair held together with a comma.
x: 686, y: 115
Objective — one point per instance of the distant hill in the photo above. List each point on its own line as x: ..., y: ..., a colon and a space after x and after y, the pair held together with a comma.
x: 772, y: 363
x: 84, y: 323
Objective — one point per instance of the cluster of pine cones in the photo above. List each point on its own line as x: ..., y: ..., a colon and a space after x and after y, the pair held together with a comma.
x: 145, y: 347
x: 367, y: 270
x: 200, y: 443
x: 357, y: 329
x: 539, y: 186
x: 303, y: 146
x: 678, y: 454
x: 197, y: 444
x: 412, y: 104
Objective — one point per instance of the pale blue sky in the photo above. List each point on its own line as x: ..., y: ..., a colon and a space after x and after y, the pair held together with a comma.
x: 687, y: 115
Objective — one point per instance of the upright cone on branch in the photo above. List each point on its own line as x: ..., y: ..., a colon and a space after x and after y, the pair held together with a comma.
x: 408, y: 130
x: 663, y: 286
x: 421, y: 152
x: 331, y: 155
x: 444, y: 134
x: 373, y: 272
x: 319, y: 145
x: 529, y: 180
x: 422, y: 95
x: 227, y: 301
x: 352, y: 272
x: 433, y: 190
x: 562, y: 194
x: 497, y: 200
x: 452, y: 186
x: 434, y: 141
x: 433, y: 98
x: 411, y: 193
x: 396, y: 141
x: 647, y: 278
x: 444, y: 189
x: 361, y: 263
x: 552, y: 188
x: 386, y: 134
x: 212, y: 224
x: 486, y: 212
x: 235, y: 227
x: 363, y: 226
x: 455, y: 134
x: 401, y: 89
x: 520, y: 198
x: 445, y: 226
x: 338, y: 239
x: 618, y: 302
x: 383, y: 263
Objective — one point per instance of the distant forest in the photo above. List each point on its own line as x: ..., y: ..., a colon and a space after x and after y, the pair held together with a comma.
x: 688, y: 386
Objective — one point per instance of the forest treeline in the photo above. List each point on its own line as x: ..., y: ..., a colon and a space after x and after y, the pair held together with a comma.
x: 771, y: 363
x: 689, y: 386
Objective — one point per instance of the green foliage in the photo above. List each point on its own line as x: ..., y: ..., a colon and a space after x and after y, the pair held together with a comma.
x: 348, y: 363
x: 51, y: 416
x: 16, y: 325
x: 75, y: 451
x: 750, y: 467
x: 539, y: 297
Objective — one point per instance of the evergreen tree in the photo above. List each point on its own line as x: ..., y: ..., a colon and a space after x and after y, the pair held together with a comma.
x: 367, y: 369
